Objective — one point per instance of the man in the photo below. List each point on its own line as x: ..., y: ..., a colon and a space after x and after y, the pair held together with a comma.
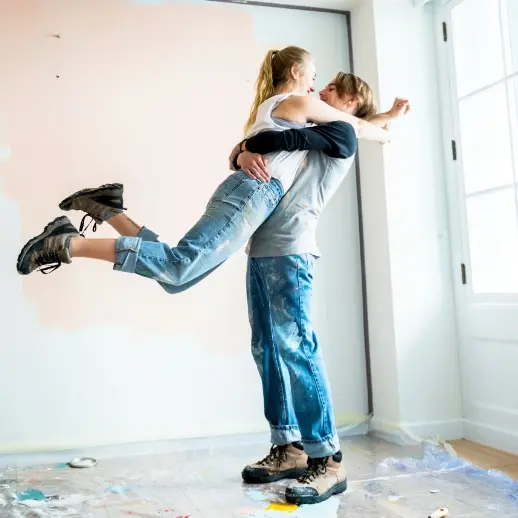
x: 282, y: 254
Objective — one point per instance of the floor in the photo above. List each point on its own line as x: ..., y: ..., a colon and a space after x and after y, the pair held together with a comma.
x: 487, y: 458
x: 385, y: 481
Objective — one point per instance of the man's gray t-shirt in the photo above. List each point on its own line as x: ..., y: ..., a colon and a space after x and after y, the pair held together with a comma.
x: 291, y: 228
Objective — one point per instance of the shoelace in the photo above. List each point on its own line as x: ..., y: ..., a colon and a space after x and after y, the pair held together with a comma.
x: 315, y: 467
x: 83, y: 228
x: 48, y: 262
x: 277, y: 455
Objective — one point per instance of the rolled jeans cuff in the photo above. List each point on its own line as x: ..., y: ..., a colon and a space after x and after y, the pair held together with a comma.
x: 126, y: 254
x: 281, y: 435
x: 324, y: 448
x: 147, y: 235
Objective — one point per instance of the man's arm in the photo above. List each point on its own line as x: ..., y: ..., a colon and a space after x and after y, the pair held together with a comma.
x: 333, y: 138
x: 328, y: 137
x: 302, y: 108
x: 336, y: 139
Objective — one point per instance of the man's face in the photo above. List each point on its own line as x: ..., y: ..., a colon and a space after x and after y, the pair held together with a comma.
x: 329, y: 95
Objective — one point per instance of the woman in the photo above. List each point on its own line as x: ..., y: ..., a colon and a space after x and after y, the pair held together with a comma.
x: 237, y: 208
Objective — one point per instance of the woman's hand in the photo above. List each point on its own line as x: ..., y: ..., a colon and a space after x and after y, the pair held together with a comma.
x: 254, y: 165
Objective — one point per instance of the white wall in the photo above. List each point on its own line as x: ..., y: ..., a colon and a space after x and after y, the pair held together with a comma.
x: 411, y: 307
x: 91, y: 357
x: 113, y: 383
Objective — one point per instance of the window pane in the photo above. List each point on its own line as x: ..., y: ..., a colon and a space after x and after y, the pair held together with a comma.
x: 477, y: 42
x: 493, y: 241
x: 485, y: 140
x: 512, y: 22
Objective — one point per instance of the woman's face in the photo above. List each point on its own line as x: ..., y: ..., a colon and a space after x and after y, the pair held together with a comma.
x: 305, y: 78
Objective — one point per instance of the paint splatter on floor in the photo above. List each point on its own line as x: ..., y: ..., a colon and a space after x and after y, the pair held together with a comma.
x: 30, y: 494
x: 282, y: 507
x: 181, y: 484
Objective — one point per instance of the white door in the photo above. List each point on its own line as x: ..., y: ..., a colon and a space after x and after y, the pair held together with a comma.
x: 480, y: 49
x: 338, y: 305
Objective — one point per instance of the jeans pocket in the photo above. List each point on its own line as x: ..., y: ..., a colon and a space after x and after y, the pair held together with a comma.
x: 228, y: 186
x: 271, y: 195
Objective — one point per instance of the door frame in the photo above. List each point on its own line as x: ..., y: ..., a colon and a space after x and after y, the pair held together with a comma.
x: 347, y: 15
x: 448, y: 111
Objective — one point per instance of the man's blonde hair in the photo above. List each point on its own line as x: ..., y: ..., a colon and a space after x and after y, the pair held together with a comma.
x: 349, y: 84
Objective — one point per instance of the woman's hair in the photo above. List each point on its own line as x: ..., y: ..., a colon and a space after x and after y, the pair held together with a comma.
x: 274, y: 73
x: 349, y: 84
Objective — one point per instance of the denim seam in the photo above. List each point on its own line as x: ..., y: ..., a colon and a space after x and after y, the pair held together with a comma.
x: 309, y: 360
x: 277, y: 363
x: 228, y: 193
x: 158, y: 260
x: 327, y: 438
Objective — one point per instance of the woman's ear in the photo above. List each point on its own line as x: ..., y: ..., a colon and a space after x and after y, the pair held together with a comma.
x: 295, y: 72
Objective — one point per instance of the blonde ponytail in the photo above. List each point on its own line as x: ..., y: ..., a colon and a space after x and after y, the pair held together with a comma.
x: 273, y: 75
x: 264, y: 88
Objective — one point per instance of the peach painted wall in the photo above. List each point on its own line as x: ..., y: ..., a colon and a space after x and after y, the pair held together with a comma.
x: 124, y: 94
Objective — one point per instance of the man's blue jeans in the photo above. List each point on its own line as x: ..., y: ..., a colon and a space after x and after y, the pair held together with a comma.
x: 235, y: 211
x: 297, y: 397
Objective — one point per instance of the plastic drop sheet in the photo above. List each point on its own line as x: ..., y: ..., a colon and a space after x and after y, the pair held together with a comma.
x: 385, y: 481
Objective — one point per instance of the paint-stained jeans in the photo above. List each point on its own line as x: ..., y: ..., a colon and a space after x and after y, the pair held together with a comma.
x: 235, y: 211
x: 297, y: 397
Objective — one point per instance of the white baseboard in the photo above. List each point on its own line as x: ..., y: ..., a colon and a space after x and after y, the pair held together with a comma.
x: 492, y: 436
x: 154, y: 447
x: 412, y: 433
x: 354, y: 429
x: 131, y: 449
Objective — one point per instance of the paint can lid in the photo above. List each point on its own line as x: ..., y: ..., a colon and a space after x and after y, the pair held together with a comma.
x: 82, y: 462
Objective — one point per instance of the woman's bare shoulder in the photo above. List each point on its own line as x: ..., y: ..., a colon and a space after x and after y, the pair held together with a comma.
x: 292, y: 108
x: 295, y: 101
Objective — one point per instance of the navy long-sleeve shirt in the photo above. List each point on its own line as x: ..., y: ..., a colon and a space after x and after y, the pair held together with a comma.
x: 336, y: 139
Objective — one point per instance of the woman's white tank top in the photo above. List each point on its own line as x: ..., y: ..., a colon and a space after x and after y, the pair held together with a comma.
x: 282, y: 165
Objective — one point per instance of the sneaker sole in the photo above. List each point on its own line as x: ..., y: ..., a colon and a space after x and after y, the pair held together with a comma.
x: 290, y: 474
x: 58, y: 222
x: 307, y: 500
x: 109, y: 187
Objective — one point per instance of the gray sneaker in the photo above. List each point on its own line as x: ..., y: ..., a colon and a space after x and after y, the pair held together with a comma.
x: 99, y: 203
x: 49, y: 250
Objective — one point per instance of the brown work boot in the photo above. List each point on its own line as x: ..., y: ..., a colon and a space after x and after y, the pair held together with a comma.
x: 323, y: 478
x: 288, y: 461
